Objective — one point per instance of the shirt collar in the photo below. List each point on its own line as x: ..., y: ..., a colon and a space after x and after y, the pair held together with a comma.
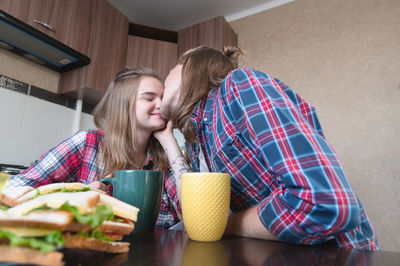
x: 203, y: 105
x: 148, y: 162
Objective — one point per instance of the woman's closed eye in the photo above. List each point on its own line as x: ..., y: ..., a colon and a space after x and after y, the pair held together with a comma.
x: 148, y: 99
x: 149, y: 96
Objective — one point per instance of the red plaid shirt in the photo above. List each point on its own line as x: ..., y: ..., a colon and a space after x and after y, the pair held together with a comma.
x: 73, y: 160
x: 76, y: 159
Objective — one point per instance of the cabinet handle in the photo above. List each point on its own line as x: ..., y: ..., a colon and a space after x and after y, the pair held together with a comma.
x: 44, y: 24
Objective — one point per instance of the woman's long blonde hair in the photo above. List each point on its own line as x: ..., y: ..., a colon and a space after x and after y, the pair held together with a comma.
x: 115, y: 116
x: 204, y: 68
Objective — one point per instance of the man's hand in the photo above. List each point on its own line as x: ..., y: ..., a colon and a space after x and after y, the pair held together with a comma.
x: 165, y: 135
x: 174, y: 154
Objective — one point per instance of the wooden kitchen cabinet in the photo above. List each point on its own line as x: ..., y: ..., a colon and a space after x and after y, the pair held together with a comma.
x: 108, y: 45
x: 43, y: 15
x: 69, y: 21
x: 161, y: 56
x: 16, y: 8
x: 215, y: 33
x: 74, y: 24
x: 39, y: 14
x: 92, y: 27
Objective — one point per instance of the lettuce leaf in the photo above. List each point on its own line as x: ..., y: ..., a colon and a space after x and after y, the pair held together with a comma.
x: 97, y: 234
x: 63, y: 190
x: 75, y: 190
x: 101, y: 214
x: 3, y: 207
x: 44, y: 244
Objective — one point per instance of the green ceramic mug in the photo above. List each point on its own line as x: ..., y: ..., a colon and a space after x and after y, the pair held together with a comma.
x: 142, y: 189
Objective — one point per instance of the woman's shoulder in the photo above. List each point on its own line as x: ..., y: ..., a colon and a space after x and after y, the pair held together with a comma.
x: 90, y: 135
x: 96, y: 132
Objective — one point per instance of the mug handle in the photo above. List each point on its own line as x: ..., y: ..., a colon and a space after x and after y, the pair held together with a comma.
x: 108, y: 180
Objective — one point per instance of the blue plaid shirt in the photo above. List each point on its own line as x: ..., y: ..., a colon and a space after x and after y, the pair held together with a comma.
x: 268, y: 138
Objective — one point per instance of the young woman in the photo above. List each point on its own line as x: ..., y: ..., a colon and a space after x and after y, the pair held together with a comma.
x: 126, y: 117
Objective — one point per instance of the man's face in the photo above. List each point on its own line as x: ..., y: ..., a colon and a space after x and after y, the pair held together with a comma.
x: 172, y: 91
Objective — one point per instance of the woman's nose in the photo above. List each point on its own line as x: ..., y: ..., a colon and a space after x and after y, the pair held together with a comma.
x: 158, y: 103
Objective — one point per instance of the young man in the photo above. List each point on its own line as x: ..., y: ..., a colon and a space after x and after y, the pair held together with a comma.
x: 287, y: 182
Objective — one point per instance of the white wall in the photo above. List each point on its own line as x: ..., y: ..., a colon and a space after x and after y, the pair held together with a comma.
x: 30, y: 126
x: 86, y: 122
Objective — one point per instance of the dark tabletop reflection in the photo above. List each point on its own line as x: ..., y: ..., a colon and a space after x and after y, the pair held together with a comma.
x: 90, y: 257
x: 210, y: 254
x: 162, y: 247
x: 165, y: 247
x: 245, y: 251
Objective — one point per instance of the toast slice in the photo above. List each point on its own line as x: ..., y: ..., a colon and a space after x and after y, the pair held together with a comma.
x: 119, y: 207
x: 10, y: 194
x: 84, y: 201
x: 40, y: 219
x: 117, y: 228
x: 107, y: 227
x: 74, y: 241
x: 51, y: 188
x: 29, y: 255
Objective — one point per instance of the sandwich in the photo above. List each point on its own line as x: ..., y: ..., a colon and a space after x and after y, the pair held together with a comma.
x: 63, y: 215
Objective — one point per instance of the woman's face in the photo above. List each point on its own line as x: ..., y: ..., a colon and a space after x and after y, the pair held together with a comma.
x: 148, y: 101
x: 172, y: 91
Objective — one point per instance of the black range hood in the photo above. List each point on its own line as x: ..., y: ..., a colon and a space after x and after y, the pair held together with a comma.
x: 29, y: 42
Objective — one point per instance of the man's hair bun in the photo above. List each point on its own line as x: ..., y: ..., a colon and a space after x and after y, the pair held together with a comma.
x: 233, y: 53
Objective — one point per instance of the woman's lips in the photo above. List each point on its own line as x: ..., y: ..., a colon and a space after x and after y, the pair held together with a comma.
x: 158, y: 115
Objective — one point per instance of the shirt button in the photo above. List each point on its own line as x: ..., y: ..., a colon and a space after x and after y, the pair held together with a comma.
x: 205, y: 119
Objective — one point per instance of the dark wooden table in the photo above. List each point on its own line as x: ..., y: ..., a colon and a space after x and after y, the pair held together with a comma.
x: 165, y: 247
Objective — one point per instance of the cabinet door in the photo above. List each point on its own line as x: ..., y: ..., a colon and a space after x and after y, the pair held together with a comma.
x: 109, y: 43
x: 43, y: 15
x: 107, y: 51
x: 75, y: 23
x: 215, y: 33
x: 16, y: 8
x: 68, y: 21
x: 159, y: 55
x: 39, y: 14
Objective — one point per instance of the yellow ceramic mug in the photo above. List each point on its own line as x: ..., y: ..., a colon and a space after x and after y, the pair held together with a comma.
x: 205, y: 205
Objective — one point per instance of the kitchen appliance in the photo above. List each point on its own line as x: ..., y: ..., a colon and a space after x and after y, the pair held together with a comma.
x: 34, y: 45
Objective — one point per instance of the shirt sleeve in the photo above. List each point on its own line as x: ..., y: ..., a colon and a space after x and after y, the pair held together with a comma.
x: 170, y: 210
x: 313, y: 200
x: 60, y: 164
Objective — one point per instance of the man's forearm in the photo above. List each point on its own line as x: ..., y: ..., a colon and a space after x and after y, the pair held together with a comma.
x: 247, y: 224
x: 176, y: 160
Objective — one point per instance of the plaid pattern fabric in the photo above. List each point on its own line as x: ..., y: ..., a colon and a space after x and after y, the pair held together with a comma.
x: 73, y: 160
x: 76, y: 160
x: 170, y: 209
x: 268, y: 138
